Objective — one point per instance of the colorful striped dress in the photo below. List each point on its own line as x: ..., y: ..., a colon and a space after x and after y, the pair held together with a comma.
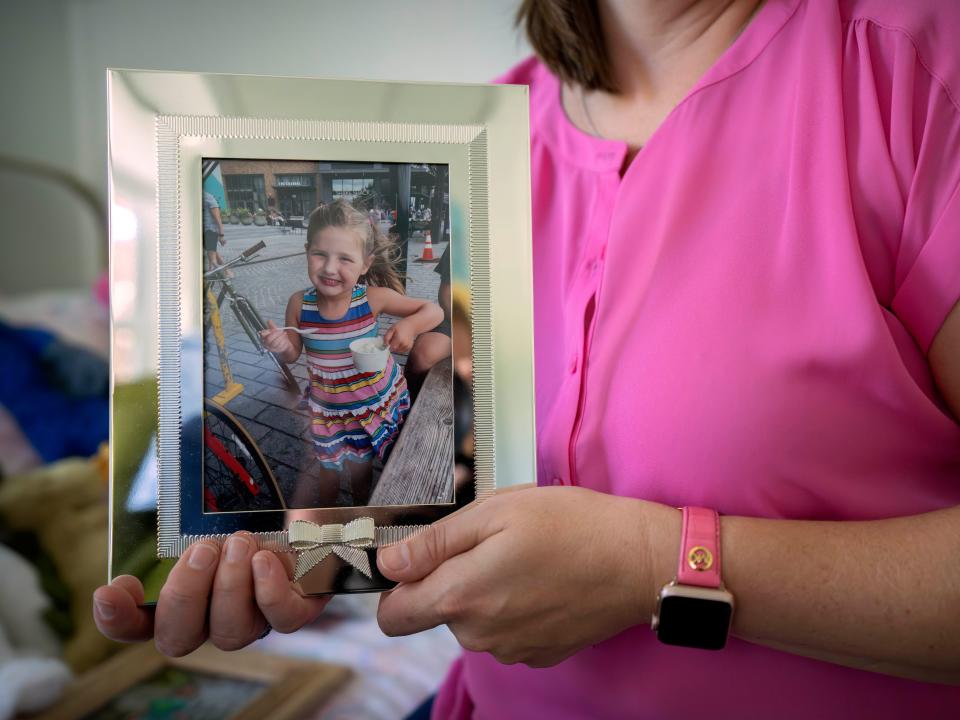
x: 355, y: 415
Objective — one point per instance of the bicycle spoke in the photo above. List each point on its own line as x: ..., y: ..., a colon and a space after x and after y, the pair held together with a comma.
x: 234, y: 479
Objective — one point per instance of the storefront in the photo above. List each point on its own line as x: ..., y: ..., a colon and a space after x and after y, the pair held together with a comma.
x: 296, y: 194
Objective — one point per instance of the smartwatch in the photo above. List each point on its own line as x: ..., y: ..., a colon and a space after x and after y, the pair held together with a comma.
x: 695, y: 610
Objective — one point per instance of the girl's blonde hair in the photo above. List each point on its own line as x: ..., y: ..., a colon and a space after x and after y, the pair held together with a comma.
x: 340, y: 213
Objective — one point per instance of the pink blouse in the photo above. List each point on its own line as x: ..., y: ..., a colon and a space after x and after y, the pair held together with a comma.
x: 741, y: 322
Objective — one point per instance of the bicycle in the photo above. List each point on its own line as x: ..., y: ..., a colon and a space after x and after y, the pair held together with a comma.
x: 249, y: 320
x: 237, y: 477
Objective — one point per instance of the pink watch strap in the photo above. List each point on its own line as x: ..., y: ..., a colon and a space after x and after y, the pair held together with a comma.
x: 699, y: 548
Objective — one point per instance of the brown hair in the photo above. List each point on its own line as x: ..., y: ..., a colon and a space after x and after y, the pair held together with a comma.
x: 568, y: 37
x: 340, y: 213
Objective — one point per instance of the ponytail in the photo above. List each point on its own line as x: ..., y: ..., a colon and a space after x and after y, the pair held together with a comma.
x: 384, y: 270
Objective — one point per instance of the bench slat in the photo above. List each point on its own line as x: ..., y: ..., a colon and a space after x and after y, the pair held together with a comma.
x: 420, y: 468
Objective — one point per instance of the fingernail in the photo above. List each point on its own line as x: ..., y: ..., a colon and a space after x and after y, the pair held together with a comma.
x: 237, y: 548
x: 395, y: 558
x: 105, y: 609
x: 261, y: 567
x: 202, y: 556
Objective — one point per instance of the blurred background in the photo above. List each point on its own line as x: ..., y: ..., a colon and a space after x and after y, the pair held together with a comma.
x: 54, y: 325
x: 55, y: 53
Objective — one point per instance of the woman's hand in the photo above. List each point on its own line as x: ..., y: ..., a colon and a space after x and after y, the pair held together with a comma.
x: 228, y: 596
x: 276, y: 340
x: 400, y: 337
x: 529, y: 576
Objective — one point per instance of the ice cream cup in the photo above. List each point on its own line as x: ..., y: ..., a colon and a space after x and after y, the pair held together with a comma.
x: 369, y: 354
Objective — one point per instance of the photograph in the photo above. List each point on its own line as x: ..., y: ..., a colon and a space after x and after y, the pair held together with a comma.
x: 561, y: 359
x: 327, y: 374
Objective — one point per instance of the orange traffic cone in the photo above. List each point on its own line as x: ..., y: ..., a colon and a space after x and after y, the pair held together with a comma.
x: 427, y: 250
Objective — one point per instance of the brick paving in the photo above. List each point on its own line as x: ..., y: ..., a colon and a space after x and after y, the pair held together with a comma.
x: 268, y: 410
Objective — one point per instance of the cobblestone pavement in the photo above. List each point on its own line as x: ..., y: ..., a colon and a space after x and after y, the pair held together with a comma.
x: 272, y: 413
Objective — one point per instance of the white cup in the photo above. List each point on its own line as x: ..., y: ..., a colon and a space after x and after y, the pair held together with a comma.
x: 369, y: 354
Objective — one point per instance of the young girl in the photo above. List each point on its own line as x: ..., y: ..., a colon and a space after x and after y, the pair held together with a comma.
x: 355, y: 416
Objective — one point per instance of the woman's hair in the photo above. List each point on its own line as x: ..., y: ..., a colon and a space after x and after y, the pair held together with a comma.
x: 568, y: 37
x: 383, y: 270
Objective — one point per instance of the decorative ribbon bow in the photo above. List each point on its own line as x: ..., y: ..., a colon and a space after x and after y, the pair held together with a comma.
x: 314, y: 542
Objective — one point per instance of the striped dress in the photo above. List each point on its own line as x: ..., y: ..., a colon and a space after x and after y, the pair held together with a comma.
x: 355, y: 415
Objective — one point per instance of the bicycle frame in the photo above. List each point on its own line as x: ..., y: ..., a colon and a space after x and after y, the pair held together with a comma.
x: 242, y: 310
x: 248, y: 318
x: 232, y: 388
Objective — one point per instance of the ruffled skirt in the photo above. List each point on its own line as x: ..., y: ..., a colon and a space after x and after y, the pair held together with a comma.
x: 360, y: 434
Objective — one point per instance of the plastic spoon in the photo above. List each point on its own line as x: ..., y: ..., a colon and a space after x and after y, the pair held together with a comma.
x: 300, y: 331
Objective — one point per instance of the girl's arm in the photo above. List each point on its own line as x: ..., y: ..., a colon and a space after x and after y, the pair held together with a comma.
x: 285, y: 344
x: 419, y: 316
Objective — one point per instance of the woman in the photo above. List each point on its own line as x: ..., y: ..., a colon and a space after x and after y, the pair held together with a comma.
x: 747, y: 266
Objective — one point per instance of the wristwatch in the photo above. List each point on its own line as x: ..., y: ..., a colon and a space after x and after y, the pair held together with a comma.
x: 695, y: 610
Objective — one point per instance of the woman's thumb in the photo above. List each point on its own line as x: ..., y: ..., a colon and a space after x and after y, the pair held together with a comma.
x: 418, y: 556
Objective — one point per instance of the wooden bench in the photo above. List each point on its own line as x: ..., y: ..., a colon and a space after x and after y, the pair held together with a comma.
x: 420, y: 468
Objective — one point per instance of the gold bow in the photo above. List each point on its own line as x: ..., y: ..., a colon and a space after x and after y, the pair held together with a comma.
x: 314, y: 542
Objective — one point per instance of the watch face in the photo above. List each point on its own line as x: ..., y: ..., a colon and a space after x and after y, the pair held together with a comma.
x: 694, y: 622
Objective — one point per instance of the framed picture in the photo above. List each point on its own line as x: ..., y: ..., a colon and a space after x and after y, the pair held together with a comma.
x: 321, y: 299
x: 139, y: 682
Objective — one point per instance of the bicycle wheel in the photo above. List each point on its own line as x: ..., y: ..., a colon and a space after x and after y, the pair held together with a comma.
x: 236, y: 476
x: 252, y: 324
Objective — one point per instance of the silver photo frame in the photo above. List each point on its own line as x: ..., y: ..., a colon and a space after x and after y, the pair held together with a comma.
x: 167, y: 132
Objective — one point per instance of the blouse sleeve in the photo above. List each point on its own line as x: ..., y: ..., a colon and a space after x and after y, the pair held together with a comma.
x: 924, y: 142
x: 931, y: 285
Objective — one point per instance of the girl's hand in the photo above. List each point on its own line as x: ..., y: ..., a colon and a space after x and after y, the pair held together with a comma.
x: 418, y: 316
x: 529, y: 576
x: 400, y: 337
x: 276, y: 340
x: 227, y: 596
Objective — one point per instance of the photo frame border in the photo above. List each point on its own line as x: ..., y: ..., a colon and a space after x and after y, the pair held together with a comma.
x: 172, y: 132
